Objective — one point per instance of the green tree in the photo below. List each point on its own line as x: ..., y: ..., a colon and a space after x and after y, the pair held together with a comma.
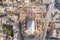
x: 49, y: 24
x: 42, y: 24
x: 8, y: 31
x: 32, y: 0
x: 44, y: 15
x: 0, y: 0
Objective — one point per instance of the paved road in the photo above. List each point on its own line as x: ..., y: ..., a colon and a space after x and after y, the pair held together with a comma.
x: 16, y: 32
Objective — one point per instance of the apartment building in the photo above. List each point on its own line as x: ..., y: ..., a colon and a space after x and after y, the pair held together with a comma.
x: 46, y: 1
x: 9, y: 1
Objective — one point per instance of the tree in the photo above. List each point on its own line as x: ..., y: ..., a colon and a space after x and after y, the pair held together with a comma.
x: 42, y: 24
x: 49, y: 24
x: 32, y: 0
x: 44, y: 15
x: 0, y: 0
x: 8, y: 31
